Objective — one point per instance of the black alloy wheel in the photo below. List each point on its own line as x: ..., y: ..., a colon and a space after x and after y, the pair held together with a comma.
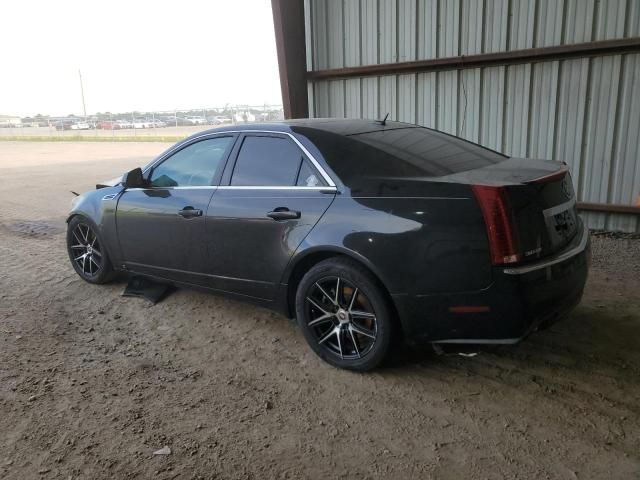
x: 344, y: 315
x: 86, y: 252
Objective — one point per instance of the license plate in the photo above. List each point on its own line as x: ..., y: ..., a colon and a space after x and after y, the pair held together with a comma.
x: 565, y: 223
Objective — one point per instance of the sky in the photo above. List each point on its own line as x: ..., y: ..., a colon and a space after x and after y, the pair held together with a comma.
x: 135, y: 55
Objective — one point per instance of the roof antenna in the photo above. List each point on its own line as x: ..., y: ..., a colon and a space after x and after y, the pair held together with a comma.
x: 383, y: 122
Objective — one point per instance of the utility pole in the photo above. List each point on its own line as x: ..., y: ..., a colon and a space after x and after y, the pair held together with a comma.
x: 84, y: 108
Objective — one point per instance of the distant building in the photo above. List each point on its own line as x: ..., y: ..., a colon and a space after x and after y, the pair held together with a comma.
x: 10, y: 121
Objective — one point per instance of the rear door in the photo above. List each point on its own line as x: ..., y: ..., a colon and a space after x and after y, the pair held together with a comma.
x: 270, y: 198
x: 161, y: 227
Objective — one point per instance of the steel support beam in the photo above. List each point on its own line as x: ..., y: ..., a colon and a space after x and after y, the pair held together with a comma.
x: 288, y: 22
x: 608, y: 208
x: 513, y: 57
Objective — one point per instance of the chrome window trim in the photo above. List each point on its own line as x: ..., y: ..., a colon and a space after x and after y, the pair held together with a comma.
x: 270, y: 187
x: 194, y: 187
x: 555, y: 260
x: 235, y: 187
x: 311, y: 158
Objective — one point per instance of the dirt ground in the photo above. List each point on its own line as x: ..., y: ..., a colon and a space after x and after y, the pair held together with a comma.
x: 91, y: 383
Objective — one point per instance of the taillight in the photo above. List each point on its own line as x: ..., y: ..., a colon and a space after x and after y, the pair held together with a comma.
x: 498, y: 219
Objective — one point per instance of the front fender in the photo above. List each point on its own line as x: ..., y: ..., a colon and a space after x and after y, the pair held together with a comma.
x: 99, y: 207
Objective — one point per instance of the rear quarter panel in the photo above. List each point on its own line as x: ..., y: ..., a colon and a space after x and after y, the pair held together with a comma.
x: 416, y: 245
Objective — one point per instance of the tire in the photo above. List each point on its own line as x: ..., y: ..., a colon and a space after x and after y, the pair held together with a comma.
x: 353, y: 333
x: 86, y: 252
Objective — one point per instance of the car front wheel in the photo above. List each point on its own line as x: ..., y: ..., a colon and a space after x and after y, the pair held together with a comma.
x: 344, y: 315
x: 86, y: 251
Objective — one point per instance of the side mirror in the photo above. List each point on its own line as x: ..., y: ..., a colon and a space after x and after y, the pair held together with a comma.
x: 134, y: 179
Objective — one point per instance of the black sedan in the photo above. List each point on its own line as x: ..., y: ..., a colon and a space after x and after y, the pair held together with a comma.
x: 361, y: 230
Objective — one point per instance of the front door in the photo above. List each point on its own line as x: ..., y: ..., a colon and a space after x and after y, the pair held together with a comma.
x: 271, y: 201
x: 161, y: 227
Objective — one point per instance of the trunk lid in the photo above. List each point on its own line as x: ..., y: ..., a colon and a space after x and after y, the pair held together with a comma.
x: 545, y: 214
x: 541, y: 200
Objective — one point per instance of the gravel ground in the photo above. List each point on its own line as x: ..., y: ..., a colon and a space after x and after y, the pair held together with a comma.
x: 91, y: 383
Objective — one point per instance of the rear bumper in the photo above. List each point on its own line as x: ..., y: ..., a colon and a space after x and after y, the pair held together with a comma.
x: 519, y: 300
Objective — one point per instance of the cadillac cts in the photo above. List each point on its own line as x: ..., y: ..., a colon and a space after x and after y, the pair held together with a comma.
x: 361, y: 230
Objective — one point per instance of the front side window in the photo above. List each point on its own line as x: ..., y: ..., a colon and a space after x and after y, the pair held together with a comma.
x: 272, y: 161
x: 193, y: 166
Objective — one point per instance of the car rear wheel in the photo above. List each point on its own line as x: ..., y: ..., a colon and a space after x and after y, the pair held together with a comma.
x: 344, y: 315
x: 86, y: 251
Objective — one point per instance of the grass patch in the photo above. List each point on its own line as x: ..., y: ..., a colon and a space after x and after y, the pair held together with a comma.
x: 82, y: 138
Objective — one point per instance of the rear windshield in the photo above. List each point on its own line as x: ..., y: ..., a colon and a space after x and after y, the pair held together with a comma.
x: 399, y: 153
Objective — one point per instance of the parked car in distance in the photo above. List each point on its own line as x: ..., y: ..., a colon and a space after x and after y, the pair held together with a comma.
x: 148, y: 123
x: 109, y: 125
x: 124, y: 124
x: 361, y: 230
x: 219, y: 120
x: 63, y: 124
x: 168, y: 120
x: 177, y: 121
x: 80, y: 126
x: 140, y: 123
x: 195, y: 120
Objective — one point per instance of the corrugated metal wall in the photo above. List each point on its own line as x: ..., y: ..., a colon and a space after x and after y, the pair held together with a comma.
x: 583, y: 111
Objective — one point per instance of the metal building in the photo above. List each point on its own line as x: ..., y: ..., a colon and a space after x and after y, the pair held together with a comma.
x: 554, y: 79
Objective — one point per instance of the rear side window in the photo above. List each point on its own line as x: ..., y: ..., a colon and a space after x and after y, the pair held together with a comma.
x: 193, y: 166
x: 410, y: 152
x: 431, y: 152
x: 272, y: 162
x: 308, y: 177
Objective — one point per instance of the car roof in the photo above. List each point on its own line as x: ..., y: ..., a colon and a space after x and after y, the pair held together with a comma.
x: 340, y: 126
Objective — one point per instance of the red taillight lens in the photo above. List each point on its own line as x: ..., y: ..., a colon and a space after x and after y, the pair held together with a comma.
x: 497, y: 214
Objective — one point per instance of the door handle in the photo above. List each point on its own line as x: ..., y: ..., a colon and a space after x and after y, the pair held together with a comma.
x: 283, y: 213
x: 190, y: 212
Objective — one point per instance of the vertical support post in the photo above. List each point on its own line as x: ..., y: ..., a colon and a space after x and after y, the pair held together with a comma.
x: 288, y: 22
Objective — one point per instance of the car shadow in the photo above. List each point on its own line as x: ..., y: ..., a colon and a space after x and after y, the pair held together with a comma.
x: 590, y: 340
